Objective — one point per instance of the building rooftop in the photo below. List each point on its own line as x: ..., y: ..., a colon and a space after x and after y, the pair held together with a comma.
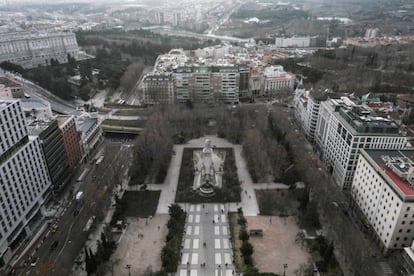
x: 37, y: 127
x: 8, y: 82
x: 359, y: 119
x: 85, y: 124
x: 62, y: 119
x: 5, y: 103
x: 398, y: 165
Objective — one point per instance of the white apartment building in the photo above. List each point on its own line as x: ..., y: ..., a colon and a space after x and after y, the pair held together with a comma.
x: 275, y: 79
x: 307, y: 105
x: 32, y: 49
x: 343, y: 129
x: 24, y: 178
x: 285, y: 42
x: 383, y: 189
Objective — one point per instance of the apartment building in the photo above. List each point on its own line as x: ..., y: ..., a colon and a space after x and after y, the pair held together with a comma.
x: 307, y: 105
x: 383, y: 189
x: 24, y: 178
x: 344, y: 128
x: 33, y: 49
x: 158, y: 89
x: 275, y: 79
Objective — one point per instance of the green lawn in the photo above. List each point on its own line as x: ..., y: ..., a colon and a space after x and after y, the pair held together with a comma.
x: 284, y: 202
x: 230, y: 192
x: 140, y: 203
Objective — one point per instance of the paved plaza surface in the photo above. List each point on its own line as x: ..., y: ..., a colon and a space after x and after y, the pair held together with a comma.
x: 141, y: 245
x: 278, y: 245
x: 206, y: 245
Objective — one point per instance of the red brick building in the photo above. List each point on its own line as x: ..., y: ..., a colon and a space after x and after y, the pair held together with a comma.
x: 71, y: 138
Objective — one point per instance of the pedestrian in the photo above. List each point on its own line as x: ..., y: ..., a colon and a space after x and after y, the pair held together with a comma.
x: 159, y: 227
x: 213, y: 221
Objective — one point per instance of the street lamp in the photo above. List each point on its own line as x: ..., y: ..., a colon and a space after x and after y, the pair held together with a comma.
x: 128, y: 266
x: 284, y: 269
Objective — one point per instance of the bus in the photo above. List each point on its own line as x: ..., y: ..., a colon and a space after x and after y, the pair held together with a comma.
x: 82, y: 175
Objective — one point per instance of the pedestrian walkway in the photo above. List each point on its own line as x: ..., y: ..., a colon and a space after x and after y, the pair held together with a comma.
x: 206, y: 247
x: 169, y: 187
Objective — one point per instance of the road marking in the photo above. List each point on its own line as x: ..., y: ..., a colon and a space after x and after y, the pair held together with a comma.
x: 216, y: 230
x: 183, y: 272
x: 184, y: 259
x: 197, y: 218
x: 217, y: 243
x: 189, y: 228
x: 227, y: 258
x: 196, y: 243
x: 229, y: 272
x: 216, y: 218
x: 193, y: 272
x: 194, y: 258
x: 218, y: 258
x: 196, y: 230
x: 215, y: 208
x: 225, y: 243
x: 191, y: 208
x: 190, y: 218
x: 223, y: 218
x: 187, y: 243
x: 198, y: 208
x: 224, y: 229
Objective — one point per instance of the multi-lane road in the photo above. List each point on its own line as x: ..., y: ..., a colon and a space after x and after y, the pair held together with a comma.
x: 55, y: 251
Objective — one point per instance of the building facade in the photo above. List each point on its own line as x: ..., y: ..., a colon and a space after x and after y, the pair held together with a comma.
x: 275, y: 79
x: 24, y: 178
x: 383, y: 190
x: 71, y: 139
x: 343, y: 129
x: 31, y: 50
x: 53, y: 146
x: 10, y: 89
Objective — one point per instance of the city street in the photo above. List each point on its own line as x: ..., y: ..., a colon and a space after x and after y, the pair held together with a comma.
x: 55, y: 252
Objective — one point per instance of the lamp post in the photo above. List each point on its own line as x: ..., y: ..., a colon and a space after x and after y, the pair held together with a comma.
x: 128, y: 266
x: 284, y: 269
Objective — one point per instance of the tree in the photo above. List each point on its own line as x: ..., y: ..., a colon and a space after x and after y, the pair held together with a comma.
x: 246, y: 249
x: 243, y: 235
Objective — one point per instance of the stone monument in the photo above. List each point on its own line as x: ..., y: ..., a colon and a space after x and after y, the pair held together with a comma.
x: 208, y: 169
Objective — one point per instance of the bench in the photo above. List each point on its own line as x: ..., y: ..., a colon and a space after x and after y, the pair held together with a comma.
x: 256, y: 232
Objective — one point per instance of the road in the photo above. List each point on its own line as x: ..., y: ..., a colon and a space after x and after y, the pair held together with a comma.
x: 57, y: 251
x: 57, y: 104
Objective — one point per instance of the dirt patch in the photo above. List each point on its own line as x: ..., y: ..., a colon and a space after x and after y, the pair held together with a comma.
x: 140, y: 246
x: 277, y: 246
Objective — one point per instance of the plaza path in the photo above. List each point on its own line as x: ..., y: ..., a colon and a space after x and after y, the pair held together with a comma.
x: 206, y: 248
x: 169, y: 187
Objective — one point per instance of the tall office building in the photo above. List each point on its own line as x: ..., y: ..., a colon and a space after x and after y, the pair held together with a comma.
x: 24, y: 178
x: 344, y: 128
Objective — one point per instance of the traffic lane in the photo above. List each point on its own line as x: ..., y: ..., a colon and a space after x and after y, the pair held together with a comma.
x: 95, y: 200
